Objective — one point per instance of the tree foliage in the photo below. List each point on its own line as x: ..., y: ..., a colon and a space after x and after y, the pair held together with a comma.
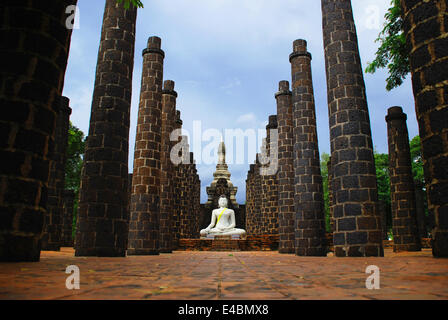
x: 325, y: 157
x: 135, y: 3
x: 417, y: 161
x: 392, y: 52
x: 383, y: 184
x: 75, y: 151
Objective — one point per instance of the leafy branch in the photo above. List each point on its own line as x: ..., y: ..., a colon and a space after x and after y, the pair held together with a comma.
x: 135, y: 3
x: 392, y: 52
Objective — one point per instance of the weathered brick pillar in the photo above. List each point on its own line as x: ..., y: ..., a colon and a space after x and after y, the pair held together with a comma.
x: 384, y: 229
x: 257, y: 194
x: 129, y: 190
x: 420, y: 209
x: 271, y: 218
x: 196, y: 202
x: 167, y: 194
x: 191, y: 196
x: 402, y: 192
x: 309, y: 202
x: 52, y: 230
x: 268, y: 186
x: 144, y: 227
x: 177, y: 189
x: 286, y: 211
x: 103, y: 212
x: 34, y: 59
x: 250, y: 199
x: 426, y: 28
x: 330, y: 194
x: 263, y: 186
x: 67, y: 220
x: 355, y: 194
x: 184, y: 194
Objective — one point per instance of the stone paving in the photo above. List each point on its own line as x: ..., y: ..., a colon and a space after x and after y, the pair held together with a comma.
x: 226, y: 275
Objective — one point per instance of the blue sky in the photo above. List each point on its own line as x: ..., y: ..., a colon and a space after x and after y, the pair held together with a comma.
x: 227, y: 57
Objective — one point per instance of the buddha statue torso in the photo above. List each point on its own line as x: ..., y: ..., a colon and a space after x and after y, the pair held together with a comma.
x: 222, y: 222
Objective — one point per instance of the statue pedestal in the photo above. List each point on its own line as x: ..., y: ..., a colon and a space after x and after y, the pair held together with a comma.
x: 229, y: 237
x: 251, y: 243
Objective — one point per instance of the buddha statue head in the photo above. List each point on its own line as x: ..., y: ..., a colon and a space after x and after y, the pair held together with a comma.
x: 222, y: 202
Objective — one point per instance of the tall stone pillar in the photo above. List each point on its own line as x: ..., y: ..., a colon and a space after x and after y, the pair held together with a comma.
x: 67, y: 220
x: 177, y: 189
x: 272, y: 191
x: 184, y: 193
x: 426, y: 29
x: 309, y: 201
x: 402, y: 192
x: 286, y: 211
x: 167, y: 194
x: 257, y: 197
x: 103, y: 212
x: 355, y: 194
x: 269, y: 199
x: 330, y: 194
x: 420, y: 209
x: 52, y: 231
x: 250, y: 199
x: 196, y: 202
x: 144, y: 227
x: 34, y: 60
x: 191, y: 217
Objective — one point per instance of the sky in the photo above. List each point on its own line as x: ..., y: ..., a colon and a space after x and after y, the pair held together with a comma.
x: 227, y: 58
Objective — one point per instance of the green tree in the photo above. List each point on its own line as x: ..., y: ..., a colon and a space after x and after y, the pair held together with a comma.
x: 392, y: 52
x: 75, y: 151
x: 383, y: 184
x: 325, y: 157
x: 417, y: 161
x: 135, y: 3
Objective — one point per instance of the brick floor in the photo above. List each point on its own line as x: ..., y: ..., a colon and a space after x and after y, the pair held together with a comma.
x: 226, y: 275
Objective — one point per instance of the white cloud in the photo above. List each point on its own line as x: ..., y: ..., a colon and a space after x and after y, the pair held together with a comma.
x: 248, y: 118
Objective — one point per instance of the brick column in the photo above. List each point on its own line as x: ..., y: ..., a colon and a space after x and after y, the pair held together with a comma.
x: 167, y: 195
x: 250, y: 199
x: 330, y: 194
x: 382, y: 208
x: 177, y: 189
x: 271, y: 216
x: 52, y: 230
x: 255, y: 220
x: 190, y: 192
x: 263, y: 187
x: 309, y: 203
x: 184, y: 194
x: 196, y: 202
x: 420, y: 209
x: 286, y: 210
x: 67, y: 220
x: 357, y: 218
x: 34, y: 51
x: 144, y: 227
x: 269, y: 192
x: 402, y: 192
x: 426, y: 28
x: 103, y: 203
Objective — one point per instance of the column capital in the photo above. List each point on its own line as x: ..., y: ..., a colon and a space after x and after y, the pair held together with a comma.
x: 396, y: 113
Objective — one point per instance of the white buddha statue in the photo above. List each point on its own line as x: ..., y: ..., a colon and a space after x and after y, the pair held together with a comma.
x: 223, y: 222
